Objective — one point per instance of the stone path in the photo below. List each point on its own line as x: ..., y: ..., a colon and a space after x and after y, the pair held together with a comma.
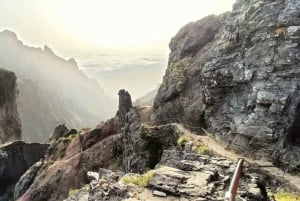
x: 266, y: 166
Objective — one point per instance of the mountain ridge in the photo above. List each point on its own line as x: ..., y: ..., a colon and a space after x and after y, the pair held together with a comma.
x: 64, y: 91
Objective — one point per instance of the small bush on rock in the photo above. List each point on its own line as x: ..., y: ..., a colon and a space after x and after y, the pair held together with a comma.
x: 73, y: 191
x: 285, y: 196
x: 203, y: 150
x: 182, y: 140
x: 140, y: 180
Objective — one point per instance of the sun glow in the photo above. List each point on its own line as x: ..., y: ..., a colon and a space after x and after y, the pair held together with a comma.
x: 131, y: 23
x: 80, y: 26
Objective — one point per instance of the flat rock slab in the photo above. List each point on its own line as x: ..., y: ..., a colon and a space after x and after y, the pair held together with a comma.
x: 175, y: 182
x: 159, y: 193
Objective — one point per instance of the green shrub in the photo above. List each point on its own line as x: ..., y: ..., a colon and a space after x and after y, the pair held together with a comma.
x: 140, y: 180
x: 68, y: 138
x: 84, y: 130
x: 73, y: 191
x: 230, y: 48
x: 183, y: 139
x: 203, y: 150
x: 178, y: 72
x: 286, y: 196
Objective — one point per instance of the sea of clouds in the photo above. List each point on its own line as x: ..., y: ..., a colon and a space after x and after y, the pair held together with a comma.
x: 138, y: 74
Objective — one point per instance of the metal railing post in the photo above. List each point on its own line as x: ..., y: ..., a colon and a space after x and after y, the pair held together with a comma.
x: 231, y: 193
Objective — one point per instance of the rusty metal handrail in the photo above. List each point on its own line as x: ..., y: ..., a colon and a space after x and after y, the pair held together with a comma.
x: 231, y: 193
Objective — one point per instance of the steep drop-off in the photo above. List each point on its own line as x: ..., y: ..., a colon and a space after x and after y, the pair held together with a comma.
x: 52, y: 90
x: 15, y: 159
x: 10, y: 126
x: 237, y: 75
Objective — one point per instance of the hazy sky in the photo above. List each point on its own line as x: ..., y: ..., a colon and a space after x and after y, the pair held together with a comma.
x: 73, y: 27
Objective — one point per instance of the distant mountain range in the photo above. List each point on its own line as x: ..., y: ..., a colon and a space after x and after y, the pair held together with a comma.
x: 137, y: 73
x: 52, y: 90
x: 147, y: 99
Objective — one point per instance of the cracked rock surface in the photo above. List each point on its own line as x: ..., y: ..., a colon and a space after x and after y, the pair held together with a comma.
x: 237, y: 75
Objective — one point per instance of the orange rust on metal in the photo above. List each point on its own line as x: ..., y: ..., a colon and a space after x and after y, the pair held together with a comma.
x: 231, y: 193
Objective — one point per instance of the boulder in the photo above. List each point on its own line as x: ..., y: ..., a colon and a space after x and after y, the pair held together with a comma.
x: 59, y: 131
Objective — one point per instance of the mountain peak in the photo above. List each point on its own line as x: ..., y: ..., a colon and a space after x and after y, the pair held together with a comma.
x: 48, y: 49
x: 9, y: 33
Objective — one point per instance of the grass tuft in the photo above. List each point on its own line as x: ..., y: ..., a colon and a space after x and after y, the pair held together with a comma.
x: 183, y: 139
x: 140, y: 180
x: 85, y: 130
x: 203, y: 150
x: 68, y: 138
x: 73, y: 191
x: 285, y: 196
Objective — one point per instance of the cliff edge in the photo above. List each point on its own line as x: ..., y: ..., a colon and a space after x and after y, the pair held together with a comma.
x: 237, y: 76
x: 10, y: 126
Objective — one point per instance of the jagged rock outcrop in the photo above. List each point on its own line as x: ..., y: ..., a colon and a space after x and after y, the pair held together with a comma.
x: 72, y: 154
x: 58, y: 132
x: 15, y: 159
x: 10, y: 125
x: 26, y: 180
x: 52, y: 90
x: 142, y: 143
x: 125, y: 104
x: 135, y: 147
x: 237, y: 75
x: 68, y: 159
x: 61, y: 131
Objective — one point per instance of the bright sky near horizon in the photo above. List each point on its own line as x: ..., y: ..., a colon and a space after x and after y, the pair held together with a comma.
x: 73, y: 27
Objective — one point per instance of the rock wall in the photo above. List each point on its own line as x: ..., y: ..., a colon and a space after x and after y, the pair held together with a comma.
x: 237, y: 75
x: 15, y: 159
x: 143, y: 144
x: 10, y: 126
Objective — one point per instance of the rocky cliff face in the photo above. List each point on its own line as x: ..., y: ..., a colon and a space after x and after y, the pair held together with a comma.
x: 52, y: 90
x: 15, y: 159
x: 10, y: 126
x: 67, y: 161
x: 142, y: 143
x: 237, y: 75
